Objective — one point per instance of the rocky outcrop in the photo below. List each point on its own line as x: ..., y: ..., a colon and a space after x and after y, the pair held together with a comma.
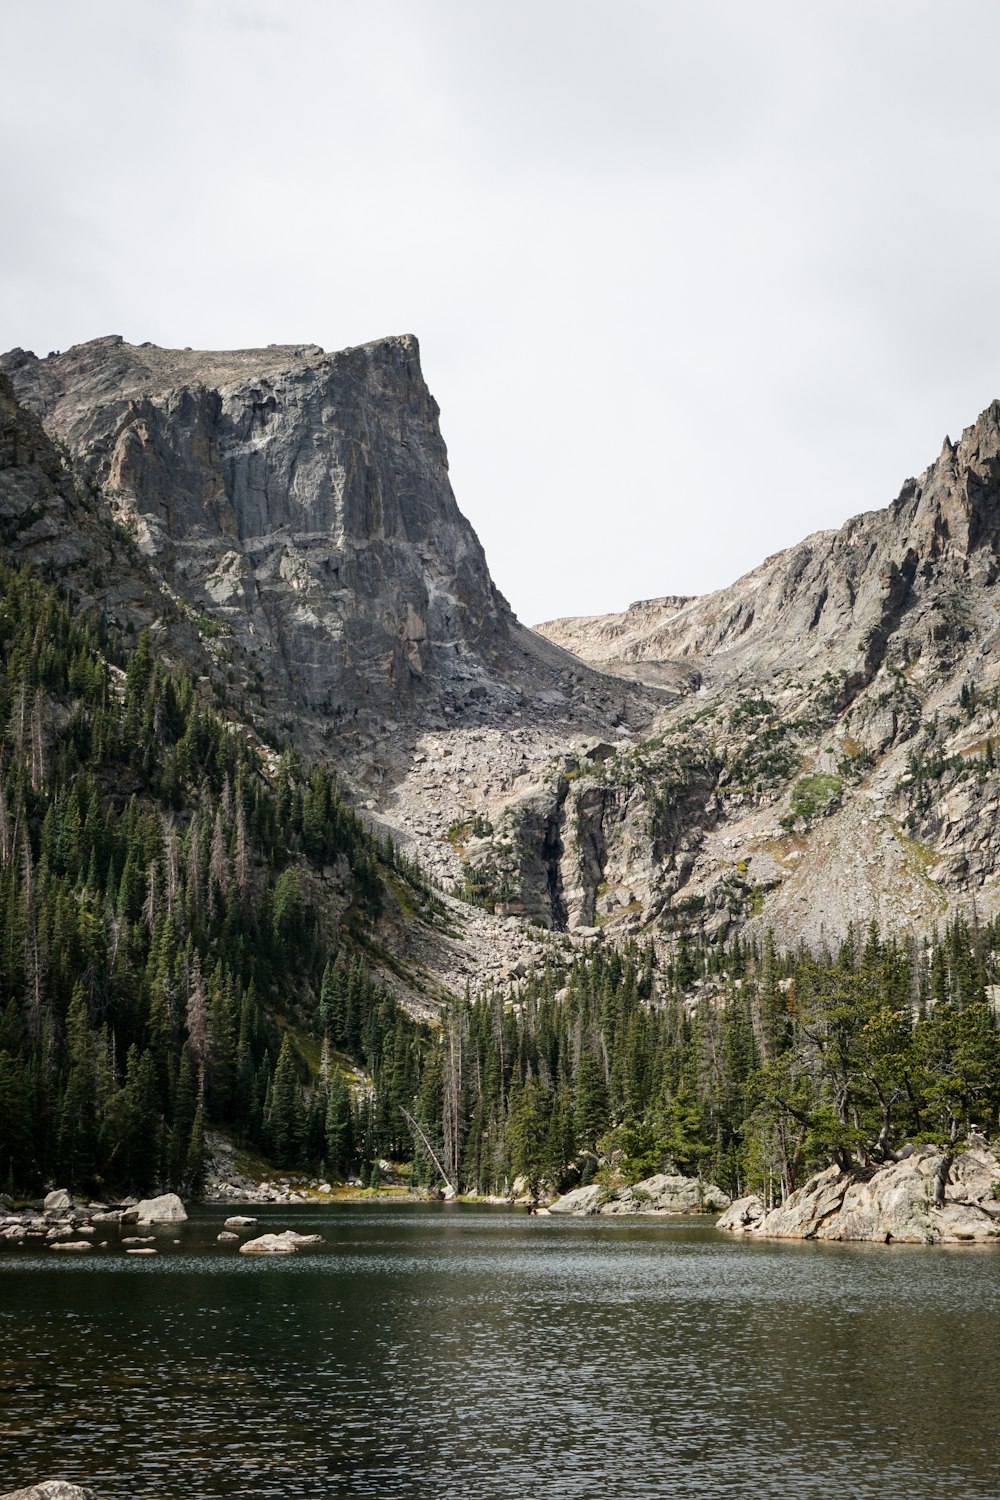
x: 895, y: 1203
x: 662, y: 1194
x: 809, y: 758
x: 300, y: 501
x: 903, y: 585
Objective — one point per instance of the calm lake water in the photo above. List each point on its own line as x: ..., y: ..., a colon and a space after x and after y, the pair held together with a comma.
x: 471, y: 1354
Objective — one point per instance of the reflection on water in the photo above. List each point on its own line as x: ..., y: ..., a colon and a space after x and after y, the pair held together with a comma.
x: 454, y: 1352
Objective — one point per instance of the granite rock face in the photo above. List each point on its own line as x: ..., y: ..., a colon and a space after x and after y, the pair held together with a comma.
x: 805, y: 750
x: 895, y: 1203
x: 834, y: 761
x: 301, y: 501
x: 899, y: 585
x: 662, y: 1194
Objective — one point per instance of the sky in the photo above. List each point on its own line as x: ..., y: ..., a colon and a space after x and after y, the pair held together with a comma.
x: 691, y: 278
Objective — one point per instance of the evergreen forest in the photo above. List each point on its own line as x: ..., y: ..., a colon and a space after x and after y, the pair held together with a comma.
x: 186, y: 939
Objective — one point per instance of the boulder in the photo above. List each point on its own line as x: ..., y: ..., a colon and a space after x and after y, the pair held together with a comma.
x: 742, y: 1213
x: 583, y: 1200
x: 52, y: 1489
x: 71, y: 1245
x: 226, y: 1234
x: 279, y: 1244
x: 142, y: 1250
x: 239, y: 1221
x: 57, y: 1201
x: 163, y: 1210
x: 268, y: 1244
x: 669, y: 1193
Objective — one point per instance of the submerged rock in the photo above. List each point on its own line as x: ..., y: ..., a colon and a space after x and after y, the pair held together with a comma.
x: 893, y: 1203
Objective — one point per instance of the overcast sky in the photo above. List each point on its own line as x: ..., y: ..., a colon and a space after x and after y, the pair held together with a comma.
x: 690, y: 279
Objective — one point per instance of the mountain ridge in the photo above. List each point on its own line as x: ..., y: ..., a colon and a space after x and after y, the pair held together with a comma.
x: 670, y: 766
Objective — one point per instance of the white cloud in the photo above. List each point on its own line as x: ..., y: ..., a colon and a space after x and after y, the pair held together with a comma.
x: 690, y: 279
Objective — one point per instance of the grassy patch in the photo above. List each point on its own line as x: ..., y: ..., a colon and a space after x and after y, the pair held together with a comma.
x: 813, y: 795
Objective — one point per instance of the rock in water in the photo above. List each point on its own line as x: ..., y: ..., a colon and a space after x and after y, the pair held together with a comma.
x: 162, y: 1210
x: 52, y: 1489
x: 279, y: 1244
x: 894, y: 1203
x: 268, y: 1244
x: 56, y: 1201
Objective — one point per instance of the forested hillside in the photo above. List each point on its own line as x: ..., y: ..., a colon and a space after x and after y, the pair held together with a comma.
x: 751, y: 1069
x: 183, y: 919
x: 172, y: 896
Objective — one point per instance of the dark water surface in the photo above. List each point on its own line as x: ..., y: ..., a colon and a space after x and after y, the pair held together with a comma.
x: 449, y: 1351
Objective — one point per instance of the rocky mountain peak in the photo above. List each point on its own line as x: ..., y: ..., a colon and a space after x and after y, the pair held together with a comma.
x: 297, y: 503
x: 888, y: 581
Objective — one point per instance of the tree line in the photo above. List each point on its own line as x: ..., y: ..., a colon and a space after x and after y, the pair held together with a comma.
x: 184, y: 920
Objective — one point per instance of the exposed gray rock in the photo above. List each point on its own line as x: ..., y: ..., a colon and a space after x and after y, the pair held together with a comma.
x: 163, y: 1210
x: 742, y: 1213
x: 661, y: 1194
x: 57, y: 1201
x: 894, y: 1203
x: 582, y: 1201
x: 72, y: 1245
x: 269, y: 1244
x: 302, y: 498
x: 51, y: 1489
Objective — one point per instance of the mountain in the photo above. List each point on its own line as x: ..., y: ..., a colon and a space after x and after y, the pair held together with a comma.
x: 909, y: 586
x: 300, y: 502
x: 839, y: 746
x: 252, y: 663
x: 805, y: 749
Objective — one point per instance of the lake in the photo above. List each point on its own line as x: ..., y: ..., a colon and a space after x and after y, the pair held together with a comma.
x: 477, y: 1354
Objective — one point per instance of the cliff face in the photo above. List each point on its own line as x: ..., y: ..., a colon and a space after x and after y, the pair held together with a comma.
x: 898, y: 585
x: 300, y: 500
x: 810, y: 747
x: 835, y: 758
